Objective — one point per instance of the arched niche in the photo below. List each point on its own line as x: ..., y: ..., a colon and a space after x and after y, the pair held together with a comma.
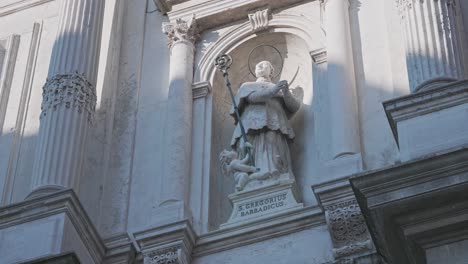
x: 295, y: 43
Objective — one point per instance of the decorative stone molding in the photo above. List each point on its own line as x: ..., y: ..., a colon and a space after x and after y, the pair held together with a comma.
x: 403, y: 5
x: 167, y: 244
x: 348, y: 229
x: 431, y: 211
x: 259, y: 20
x: 17, y: 6
x: 211, y: 15
x: 172, y: 255
x: 319, y: 56
x: 284, y: 23
x: 69, y: 91
x: 255, y: 232
x: 119, y: 249
x: 59, y: 207
x: 346, y: 224
x: 201, y: 89
x: 441, y: 111
x: 181, y: 31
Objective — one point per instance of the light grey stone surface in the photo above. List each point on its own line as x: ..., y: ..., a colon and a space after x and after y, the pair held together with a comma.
x: 162, y: 118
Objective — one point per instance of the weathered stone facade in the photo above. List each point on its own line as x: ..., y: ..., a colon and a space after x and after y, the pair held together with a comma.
x: 113, y: 116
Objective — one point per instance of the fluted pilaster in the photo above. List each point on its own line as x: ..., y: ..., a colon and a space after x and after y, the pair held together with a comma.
x: 182, y: 35
x: 435, y: 42
x: 69, y: 97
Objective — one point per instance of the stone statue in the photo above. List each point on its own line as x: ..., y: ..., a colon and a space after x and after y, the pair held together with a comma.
x: 265, y: 109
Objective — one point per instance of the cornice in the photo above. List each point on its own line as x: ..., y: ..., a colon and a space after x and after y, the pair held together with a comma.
x: 56, y: 203
x: 238, y: 236
x: 20, y: 5
x: 166, y: 5
x: 381, y: 186
x: 214, y: 13
x: 119, y: 249
x: 425, y: 102
x: 416, y: 205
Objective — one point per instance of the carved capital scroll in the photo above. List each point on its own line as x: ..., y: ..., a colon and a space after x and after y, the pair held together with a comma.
x: 181, y: 30
x: 69, y: 91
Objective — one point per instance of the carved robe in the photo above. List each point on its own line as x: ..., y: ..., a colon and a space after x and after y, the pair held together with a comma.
x: 265, y: 116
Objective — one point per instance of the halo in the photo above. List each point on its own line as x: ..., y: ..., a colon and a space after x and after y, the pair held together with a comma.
x: 266, y: 45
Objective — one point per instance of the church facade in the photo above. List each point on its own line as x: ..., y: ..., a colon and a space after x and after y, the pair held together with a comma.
x: 234, y: 131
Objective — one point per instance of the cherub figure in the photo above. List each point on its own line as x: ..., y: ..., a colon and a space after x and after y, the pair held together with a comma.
x: 239, y: 168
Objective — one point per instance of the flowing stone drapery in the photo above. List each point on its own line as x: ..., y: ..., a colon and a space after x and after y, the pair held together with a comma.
x: 435, y: 41
x: 344, y: 120
x: 182, y: 35
x: 69, y: 97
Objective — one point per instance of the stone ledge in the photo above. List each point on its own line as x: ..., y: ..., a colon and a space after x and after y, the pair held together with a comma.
x: 55, y: 205
x: 120, y: 249
x: 210, y: 16
x: 257, y: 231
x: 19, y: 6
x: 424, y: 102
x: 67, y: 258
x: 416, y: 205
x: 175, y: 240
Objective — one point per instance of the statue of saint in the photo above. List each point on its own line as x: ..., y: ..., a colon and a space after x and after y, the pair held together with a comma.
x: 265, y: 109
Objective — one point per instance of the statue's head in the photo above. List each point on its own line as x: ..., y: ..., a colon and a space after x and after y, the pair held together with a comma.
x: 226, y: 157
x: 264, y: 69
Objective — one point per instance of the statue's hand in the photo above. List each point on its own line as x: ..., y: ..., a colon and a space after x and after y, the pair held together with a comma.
x: 281, y: 85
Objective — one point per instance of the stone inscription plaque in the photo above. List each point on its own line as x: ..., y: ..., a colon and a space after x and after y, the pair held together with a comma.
x: 263, y: 205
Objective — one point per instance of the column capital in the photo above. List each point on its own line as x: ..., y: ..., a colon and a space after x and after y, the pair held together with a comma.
x: 181, y: 30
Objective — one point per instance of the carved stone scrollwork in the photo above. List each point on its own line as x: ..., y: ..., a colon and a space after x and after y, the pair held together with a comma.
x: 259, y: 20
x: 181, y: 30
x: 403, y: 5
x: 165, y: 256
x: 69, y: 91
x: 348, y: 229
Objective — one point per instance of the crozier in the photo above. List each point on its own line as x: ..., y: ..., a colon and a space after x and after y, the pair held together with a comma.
x: 260, y: 160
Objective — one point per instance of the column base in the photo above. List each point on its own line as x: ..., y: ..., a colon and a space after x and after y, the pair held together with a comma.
x: 47, y: 227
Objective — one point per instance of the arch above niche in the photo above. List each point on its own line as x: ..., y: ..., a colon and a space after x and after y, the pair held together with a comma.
x: 295, y: 51
x: 293, y: 23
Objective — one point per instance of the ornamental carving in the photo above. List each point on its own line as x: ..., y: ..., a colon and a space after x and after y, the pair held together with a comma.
x: 259, y: 20
x: 69, y: 91
x: 166, y: 256
x: 348, y: 229
x: 181, y: 30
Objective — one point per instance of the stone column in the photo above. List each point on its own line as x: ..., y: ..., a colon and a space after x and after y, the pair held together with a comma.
x: 69, y: 97
x: 182, y: 35
x: 435, y: 42
x: 344, y: 121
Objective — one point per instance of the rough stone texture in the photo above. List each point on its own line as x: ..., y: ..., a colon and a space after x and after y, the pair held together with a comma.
x: 347, y: 68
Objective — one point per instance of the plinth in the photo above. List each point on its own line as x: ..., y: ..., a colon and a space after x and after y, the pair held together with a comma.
x: 264, y: 202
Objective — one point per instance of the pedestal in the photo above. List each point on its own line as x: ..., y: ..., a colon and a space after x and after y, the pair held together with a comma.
x: 254, y: 205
